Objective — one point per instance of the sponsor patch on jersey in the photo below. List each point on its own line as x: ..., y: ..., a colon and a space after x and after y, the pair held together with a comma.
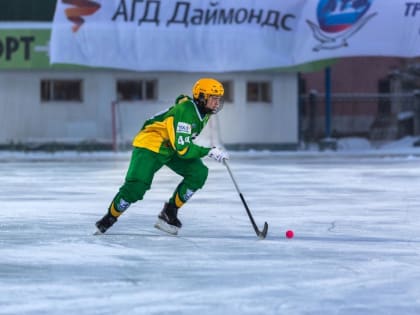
x: 183, y: 128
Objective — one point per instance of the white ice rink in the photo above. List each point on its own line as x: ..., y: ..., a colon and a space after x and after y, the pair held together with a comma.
x: 356, y: 250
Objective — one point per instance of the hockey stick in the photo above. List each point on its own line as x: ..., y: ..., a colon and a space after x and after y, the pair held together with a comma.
x: 261, y: 234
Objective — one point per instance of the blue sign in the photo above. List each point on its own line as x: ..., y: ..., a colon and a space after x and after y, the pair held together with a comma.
x: 338, y: 15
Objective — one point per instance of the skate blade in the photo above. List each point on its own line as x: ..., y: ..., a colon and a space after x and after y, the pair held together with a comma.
x: 97, y: 232
x: 165, y: 227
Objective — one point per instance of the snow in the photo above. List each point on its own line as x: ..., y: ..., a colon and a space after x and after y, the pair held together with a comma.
x: 354, y: 213
x: 405, y: 115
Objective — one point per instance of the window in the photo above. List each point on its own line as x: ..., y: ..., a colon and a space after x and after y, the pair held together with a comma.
x: 258, y: 92
x: 228, y: 86
x: 136, y: 90
x: 61, y: 90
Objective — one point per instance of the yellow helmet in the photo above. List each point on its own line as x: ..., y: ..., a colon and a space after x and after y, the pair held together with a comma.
x: 205, y: 87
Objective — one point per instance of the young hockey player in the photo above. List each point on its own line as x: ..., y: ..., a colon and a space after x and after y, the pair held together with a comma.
x: 167, y: 139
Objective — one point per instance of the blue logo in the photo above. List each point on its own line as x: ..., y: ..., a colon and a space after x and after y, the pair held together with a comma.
x: 338, y: 20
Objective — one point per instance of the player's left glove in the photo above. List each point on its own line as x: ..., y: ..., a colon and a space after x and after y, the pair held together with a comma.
x: 218, y: 155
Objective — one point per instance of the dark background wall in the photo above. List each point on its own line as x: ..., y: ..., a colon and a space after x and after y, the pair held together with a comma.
x: 27, y: 10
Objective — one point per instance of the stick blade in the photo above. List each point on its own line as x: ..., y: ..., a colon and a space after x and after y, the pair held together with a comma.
x: 263, y: 233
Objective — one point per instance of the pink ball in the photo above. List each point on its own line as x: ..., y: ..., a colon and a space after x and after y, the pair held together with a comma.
x: 289, y: 234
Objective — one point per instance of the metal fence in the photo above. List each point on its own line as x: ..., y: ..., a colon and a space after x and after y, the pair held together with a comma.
x: 375, y: 116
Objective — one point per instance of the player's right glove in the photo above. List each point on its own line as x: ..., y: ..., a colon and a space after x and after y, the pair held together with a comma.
x: 218, y: 154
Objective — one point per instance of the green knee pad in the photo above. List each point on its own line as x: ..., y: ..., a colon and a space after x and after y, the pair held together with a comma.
x: 197, y: 181
x: 133, y: 191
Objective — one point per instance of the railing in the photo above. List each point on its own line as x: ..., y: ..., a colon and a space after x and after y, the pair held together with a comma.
x: 358, y: 114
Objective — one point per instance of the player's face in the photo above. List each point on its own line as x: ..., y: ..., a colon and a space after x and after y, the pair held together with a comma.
x: 213, y: 103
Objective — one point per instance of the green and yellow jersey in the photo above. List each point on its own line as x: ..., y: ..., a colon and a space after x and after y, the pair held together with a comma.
x: 172, y: 131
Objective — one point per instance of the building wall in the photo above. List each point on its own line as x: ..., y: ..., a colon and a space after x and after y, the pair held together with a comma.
x: 258, y: 123
x: 354, y: 75
x: 25, y: 118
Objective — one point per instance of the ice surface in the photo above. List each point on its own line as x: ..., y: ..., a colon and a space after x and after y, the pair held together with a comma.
x: 356, y: 219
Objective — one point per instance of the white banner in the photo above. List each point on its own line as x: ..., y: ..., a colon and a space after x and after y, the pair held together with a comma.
x: 230, y: 35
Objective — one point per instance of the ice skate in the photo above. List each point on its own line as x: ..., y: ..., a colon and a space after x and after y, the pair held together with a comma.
x: 167, y: 219
x: 105, y: 223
